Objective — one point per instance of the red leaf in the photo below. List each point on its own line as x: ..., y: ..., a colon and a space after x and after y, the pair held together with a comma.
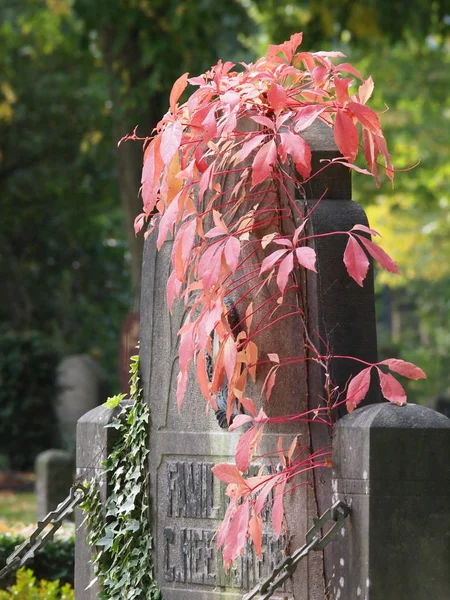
x: 278, y: 509
x: 296, y: 146
x: 360, y: 227
x: 346, y: 135
x: 277, y: 97
x: 210, y: 265
x: 186, y: 347
x: 237, y: 534
x: 270, y: 260
x: 286, y: 266
x: 178, y: 88
x: 182, y: 381
x: 269, y: 382
x: 263, y: 494
x: 380, y: 255
x: 348, y: 68
x: 249, y: 146
x: 227, y: 473
x: 263, y: 161
x: 170, y: 141
x: 306, y: 257
x: 229, y: 356
x: 404, y: 368
x: 232, y: 251
x: 358, y: 388
x: 240, y: 420
x: 168, y: 220
x: 244, y: 448
x: 391, y: 389
x: 202, y: 376
x: 366, y: 116
x: 307, y: 115
x: 356, y: 261
x: 255, y: 530
x: 265, y: 121
x: 341, y: 88
x: 173, y: 289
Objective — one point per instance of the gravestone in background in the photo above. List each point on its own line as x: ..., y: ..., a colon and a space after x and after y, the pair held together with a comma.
x: 82, y: 385
x: 187, y: 501
x: 55, y: 471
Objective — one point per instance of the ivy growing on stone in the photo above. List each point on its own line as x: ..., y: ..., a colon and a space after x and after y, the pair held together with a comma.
x: 119, y: 529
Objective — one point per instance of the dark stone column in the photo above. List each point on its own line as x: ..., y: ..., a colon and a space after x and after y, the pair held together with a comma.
x: 391, y: 465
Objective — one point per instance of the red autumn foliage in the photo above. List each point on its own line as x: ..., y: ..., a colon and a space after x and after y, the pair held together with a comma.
x: 215, y: 231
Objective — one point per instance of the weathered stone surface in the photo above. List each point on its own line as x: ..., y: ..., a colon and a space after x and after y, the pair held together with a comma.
x: 55, y: 471
x: 391, y: 465
x: 94, y: 443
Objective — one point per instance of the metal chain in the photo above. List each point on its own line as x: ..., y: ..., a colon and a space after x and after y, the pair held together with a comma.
x: 337, y: 513
x: 41, y: 535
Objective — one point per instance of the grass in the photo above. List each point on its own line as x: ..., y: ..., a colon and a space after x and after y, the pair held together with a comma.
x: 17, y: 507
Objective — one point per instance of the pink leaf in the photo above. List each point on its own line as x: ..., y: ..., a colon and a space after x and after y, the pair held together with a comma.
x: 229, y: 356
x: 380, y: 255
x: 178, y: 88
x: 240, y: 420
x: 249, y: 146
x: 237, y: 534
x: 391, y: 389
x: 285, y: 268
x: 346, y: 135
x: 307, y: 115
x: 366, y: 116
x: 227, y: 473
x: 232, y: 251
x: 209, y: 266
x: 265, y: 121
x: 358, y: 388
x: 173, y: 289
x: 182, y: 380
x: 263, y: 161
x: 170, y: 141
x: 306, y: 257
x: 298, y: 231
x: 255, y: 530
x: 264, y: 493
x: 277, y: 97
x: 348, y: 68
x: 356, y: 261
x: 404, y: 368
x: 244, y: 448
x: 360, y: 227
x: 270, y: 260
x: 168, y: 221
x: 277, y: 509
x: 296, y: 146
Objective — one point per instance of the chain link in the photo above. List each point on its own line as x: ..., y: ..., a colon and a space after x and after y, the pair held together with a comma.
x: 337, y: 513
x: 43, y: 534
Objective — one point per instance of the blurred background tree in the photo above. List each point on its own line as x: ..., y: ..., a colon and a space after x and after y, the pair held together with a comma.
x: 77, y: 75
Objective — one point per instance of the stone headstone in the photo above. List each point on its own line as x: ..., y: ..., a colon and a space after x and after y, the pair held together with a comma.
x: 391, y: 465
x: 82, y: 386
x: 187, y: 501
x: 95, y: 440
x: 55, y: 471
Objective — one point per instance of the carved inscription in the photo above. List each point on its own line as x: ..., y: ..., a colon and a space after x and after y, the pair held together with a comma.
x: 190, y: 555
x: 191, y: 490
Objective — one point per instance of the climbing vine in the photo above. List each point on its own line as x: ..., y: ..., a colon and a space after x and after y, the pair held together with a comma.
x: 119, y: 529
x: 224, y: 175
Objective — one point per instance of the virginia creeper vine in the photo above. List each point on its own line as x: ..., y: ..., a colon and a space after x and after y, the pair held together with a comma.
x: 214, y: 171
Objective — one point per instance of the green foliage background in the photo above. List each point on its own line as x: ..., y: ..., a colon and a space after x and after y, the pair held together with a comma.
x: 76, y: 75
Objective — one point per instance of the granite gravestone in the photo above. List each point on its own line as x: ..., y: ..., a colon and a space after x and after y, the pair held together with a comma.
x: 82, y: 385
x: 187, y: 501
